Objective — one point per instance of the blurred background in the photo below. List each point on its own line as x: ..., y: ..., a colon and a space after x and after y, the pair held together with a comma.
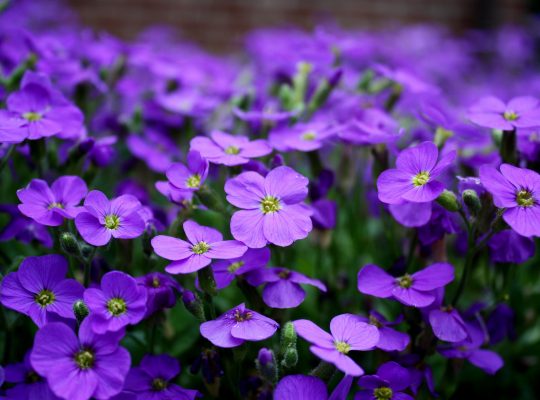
x: 219, y: 25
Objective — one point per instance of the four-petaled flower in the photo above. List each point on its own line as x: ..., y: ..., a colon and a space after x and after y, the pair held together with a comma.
x: 520, y: 112
x: 119, y: 301
x: 191, y: 177
x: 50, y: 205
x: 83, y: 367
x: 103, y: 219
x: 40, y: 288
x: 229, y: 150
x: 238, y: 325
x: 282, y: 289
x: 517, y: 191
x: 348, y: 334
x: 416, y: 290
x: 414, y: 178
x: 273, y: 208
x: 153, y: 379
x: 388, y: 384
x: 203, y: 245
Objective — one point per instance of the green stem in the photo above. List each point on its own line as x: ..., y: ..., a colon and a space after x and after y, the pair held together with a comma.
x: 88, y: 267
x: 6, y: 157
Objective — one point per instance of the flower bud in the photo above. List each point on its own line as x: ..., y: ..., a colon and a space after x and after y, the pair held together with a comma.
x: 290, y: 358
x: 70, y: 244
x: 472, y: 201
x: 266, y: 365
x: 193, y: 304
x: 288, y: 346
x: 448, y: 200
x: 80, y: 310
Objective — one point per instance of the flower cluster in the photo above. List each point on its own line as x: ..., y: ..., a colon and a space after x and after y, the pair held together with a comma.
x: 345, y: 215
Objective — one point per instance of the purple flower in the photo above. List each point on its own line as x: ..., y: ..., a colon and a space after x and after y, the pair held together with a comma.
x: 152, y: 379
x: 282, y: 289
x: 154, y: 148
x: 191, y: 177
x: 309, y: 136
x: 78, y: 368
x: 517, y: 191
x: 348, y: 334
x: 509, y: 247
x: 414, y: 177
x: 389, y: 383
x: 161, y: 291
x: 203, y: 245
x: 229, y: 150
x: 49, y: 206
x: 28, y: 384
x: 411, y: 214
x: 272, y: 207
x: 22, y: 228
x: 103, y: 219
x: 389, y: 338
x: 236, y: 326
x: 487, y: 360
x: 520, y: 112
x: 416, y: 290
x: 447, y: 324
x: 33, y: 113
x: 226, y: 270
x: 40, y: 288
x: 119, y: 302
x: 304, y: 387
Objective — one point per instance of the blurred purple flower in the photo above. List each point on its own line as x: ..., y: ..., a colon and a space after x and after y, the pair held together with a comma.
x: 520, y: 112
x: 416, y: 290
x: 226, y: 270
x: 282, y: 286
x: 49, y: 206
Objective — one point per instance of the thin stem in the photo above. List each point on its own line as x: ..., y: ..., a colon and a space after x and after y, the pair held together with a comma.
x: 88, y: 267
x: 6, y: 157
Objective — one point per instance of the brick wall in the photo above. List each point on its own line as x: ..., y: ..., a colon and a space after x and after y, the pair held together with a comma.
x: 220, y: 24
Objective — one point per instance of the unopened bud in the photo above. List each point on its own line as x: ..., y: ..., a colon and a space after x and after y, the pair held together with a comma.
x: 193, y: 304
x: 290, y: 358
x: 70, y: 244
x: 448, y: 200
x: 472, y: 201
x: 80, y: 310
x: 266, y: 365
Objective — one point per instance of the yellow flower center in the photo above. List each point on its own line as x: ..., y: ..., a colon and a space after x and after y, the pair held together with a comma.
x: 524, y: 198
x: 232, y: 150
x: 84, y: 359
x: 510, y: 115
x: 159, y: 385
x: 270, y: 204
x: 112, y: 221
x: 55, y: 205
x: 116, y: 306
x: 200, y: 248
x: 45, y: 298
x: 405, y: 281
x: 420, y: 179
x: 155, y: 282
x: 32, y: 116
x: 342, y: 347
x: 309, y: 136
x: 194, y: 181
x: 383, y: 393
x: 235, y: 266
